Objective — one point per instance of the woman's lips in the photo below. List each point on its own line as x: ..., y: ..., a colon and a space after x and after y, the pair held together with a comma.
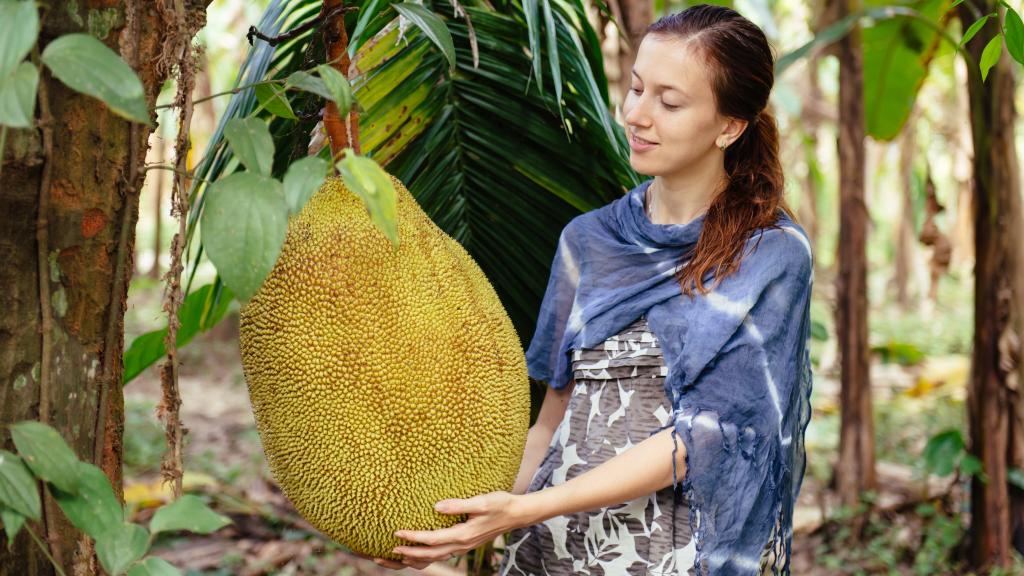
x: 640, y: 145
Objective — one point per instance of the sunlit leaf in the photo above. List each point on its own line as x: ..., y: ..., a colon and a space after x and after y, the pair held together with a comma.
x: 1014, y: 34
x: 974, y: 28
x: 897, y: 54
x: 431, y: 25
x: 990, y: 55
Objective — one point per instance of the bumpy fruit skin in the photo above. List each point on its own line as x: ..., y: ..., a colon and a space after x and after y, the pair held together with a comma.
x: 382, y: 381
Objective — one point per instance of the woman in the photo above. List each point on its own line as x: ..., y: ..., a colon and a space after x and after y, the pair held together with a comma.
x: 654, y: 355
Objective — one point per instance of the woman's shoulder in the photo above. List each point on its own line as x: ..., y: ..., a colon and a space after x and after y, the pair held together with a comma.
x: 784, y: 243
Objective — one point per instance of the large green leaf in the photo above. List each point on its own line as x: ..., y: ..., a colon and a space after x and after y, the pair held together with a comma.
x: 122, y: 547
x: 303, y: 178
x: 47, y: 454
x: 244, y: 226
x: 19, y: 27
x: 88, y: 66
x: 250, y: 139
x: 94, y: 509
x: 897, y: 52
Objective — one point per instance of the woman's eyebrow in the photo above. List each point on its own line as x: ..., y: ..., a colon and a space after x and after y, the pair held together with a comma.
x: 661, y: 86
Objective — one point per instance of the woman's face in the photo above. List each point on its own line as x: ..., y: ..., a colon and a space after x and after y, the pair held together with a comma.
x: 670, y: 104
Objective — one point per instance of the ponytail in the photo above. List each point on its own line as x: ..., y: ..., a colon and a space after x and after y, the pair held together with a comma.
x: 750, y: 201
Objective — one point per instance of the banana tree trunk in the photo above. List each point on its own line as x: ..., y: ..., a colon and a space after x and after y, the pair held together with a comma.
x: 995, y: 403
x: 855, y: 471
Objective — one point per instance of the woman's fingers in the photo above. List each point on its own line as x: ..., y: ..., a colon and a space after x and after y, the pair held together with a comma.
x: 428, y: 553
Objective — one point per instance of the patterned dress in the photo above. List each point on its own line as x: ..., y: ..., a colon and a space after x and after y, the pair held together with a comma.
x: 618, y: 401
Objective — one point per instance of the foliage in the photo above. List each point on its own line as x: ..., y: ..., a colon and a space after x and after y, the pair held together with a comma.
x: 453, y: 134
x: 80, y: 61
x: 86, y: 497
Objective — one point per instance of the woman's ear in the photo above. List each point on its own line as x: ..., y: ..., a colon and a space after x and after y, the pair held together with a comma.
x: 732, y: 131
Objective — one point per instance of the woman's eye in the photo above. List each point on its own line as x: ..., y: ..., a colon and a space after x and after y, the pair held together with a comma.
x: 669, y: 106
x: 636, y: 91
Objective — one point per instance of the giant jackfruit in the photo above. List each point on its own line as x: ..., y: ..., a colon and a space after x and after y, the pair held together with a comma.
x: 381, y: 380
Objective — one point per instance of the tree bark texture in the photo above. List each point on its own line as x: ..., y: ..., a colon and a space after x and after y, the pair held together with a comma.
x: 855, y: 471
x: 995, y: 406
x: 95, y: 172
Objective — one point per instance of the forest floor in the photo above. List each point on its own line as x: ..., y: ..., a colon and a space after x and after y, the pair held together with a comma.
x: 908, y: 532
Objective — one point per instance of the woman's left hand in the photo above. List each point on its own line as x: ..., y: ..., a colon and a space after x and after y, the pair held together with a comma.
x: 490, y: 514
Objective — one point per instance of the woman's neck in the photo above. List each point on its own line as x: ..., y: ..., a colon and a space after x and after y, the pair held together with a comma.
x: 679, y: 199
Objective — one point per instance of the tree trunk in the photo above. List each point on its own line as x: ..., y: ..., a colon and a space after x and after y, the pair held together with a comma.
x: 61, y: 333
x: 635, y: 17
x: 905, y: 233
x: 995, y: 407
x: 855, y: 471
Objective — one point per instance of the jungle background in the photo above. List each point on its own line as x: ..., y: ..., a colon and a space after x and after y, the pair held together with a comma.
x: 895, y: 149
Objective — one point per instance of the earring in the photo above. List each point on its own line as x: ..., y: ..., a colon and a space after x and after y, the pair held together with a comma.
x: 722, y: 146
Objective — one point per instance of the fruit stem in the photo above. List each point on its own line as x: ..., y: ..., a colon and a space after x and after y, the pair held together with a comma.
x: 342, y: 133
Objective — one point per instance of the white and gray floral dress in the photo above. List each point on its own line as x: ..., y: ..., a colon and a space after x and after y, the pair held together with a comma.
x: 618, y: 401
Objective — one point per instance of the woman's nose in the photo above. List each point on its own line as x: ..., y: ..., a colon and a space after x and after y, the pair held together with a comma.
x: 636, y: 114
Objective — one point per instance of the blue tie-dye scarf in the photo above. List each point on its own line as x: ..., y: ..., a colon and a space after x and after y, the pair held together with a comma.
x: 739, y: 375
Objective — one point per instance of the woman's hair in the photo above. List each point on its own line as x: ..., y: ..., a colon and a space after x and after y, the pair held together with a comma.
x: 741, y: 67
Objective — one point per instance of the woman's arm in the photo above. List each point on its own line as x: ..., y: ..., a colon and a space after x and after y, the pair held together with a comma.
x: 642, y: 469
x: 538, y: 440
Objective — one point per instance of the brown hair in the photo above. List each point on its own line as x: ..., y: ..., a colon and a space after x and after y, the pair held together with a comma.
x: 741, y: 64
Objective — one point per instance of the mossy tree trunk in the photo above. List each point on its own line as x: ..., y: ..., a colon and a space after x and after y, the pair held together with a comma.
x: 995, y: 396
x: 67, y: 346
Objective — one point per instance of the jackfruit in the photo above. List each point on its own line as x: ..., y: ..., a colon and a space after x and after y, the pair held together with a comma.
x: 381, y: 380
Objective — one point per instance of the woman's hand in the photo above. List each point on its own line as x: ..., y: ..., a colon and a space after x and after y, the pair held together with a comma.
x: 490, y: 514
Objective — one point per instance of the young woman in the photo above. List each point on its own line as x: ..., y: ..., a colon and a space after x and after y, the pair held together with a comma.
x: 639, y: 352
